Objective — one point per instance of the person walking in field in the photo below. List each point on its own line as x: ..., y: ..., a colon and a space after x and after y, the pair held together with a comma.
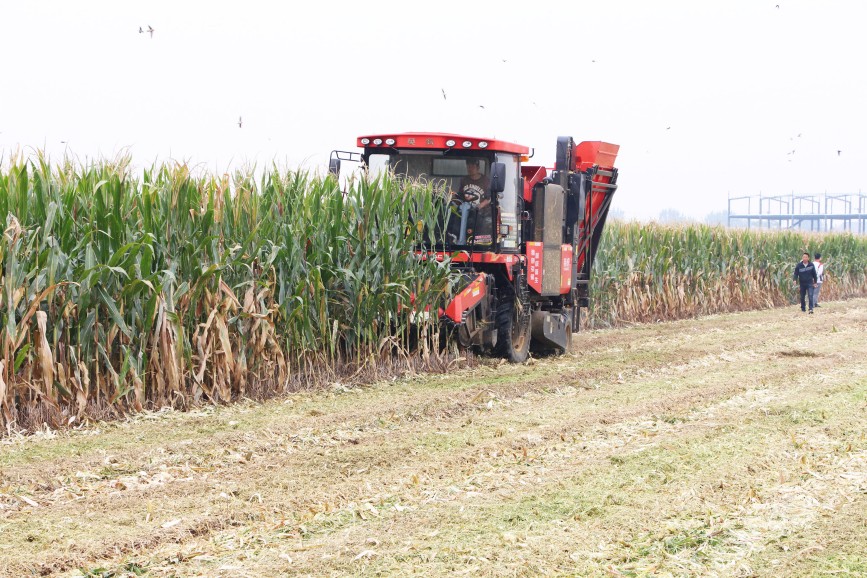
x: 805, y: 275
x: 820, y: 278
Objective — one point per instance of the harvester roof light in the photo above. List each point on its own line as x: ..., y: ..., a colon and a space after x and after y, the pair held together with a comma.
x: 483, y: 144
x: 450, y: 143
x: 377, y: 141
x: 467, y: 144
x: 389, y: 141
x: 365, y: 141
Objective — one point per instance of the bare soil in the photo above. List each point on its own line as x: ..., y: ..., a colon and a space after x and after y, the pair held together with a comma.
x: 732, y: 445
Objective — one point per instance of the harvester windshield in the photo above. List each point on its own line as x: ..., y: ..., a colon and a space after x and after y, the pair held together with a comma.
x: 464, y: 183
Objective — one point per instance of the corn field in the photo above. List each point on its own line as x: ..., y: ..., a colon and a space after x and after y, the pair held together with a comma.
x: 650, y: 272
x: 120, y: 293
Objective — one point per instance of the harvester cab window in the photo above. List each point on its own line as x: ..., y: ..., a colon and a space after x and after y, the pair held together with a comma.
x: 463, y: 181
x: 472, y: 205
x: 408, y: 165
x: 509, y: 225
x: 456, y: 166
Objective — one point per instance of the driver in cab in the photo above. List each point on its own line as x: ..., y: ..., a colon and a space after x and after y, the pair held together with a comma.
x: 475, y: 187
x: 474, y: 194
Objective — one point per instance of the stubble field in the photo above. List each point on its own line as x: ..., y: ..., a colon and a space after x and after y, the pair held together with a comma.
x: 731, y: 445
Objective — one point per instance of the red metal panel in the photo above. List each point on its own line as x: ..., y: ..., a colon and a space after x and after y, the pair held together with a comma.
x: 534, y: 265
x: 532, y: 175
x: 589, y: 153
x: 437, y: 140
x: 565, y: 269
x: 487, y: 257
x: 466, y: 299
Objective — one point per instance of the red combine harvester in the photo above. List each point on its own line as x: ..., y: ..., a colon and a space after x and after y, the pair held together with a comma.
x: 523, y: 239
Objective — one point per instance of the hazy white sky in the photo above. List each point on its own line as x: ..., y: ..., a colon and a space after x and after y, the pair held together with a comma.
x: 705, y: 98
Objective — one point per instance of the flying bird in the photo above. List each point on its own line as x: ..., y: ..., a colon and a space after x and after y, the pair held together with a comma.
x: 481, y: 106
x: 838, y: 153
x: 444, y: 93
x: 140, y: 31
x: 668, y: 128
x: 150, y: 30
x: 240, y: 122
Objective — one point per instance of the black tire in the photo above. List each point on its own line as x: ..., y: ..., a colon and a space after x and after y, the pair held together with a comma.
x: 513, y: 327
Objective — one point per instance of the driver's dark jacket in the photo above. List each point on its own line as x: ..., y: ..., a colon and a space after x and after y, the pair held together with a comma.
x: 805, y: 273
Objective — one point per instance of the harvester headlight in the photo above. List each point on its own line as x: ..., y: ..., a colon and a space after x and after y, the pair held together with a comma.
x: 377, y: 141
x: 450, y: 143
x: 467, y: 144
x: 365, y: 141
x: 389, y: 141
x: 483, y: 144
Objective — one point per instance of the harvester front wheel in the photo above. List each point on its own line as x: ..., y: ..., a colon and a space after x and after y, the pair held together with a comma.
x: 513, y: 328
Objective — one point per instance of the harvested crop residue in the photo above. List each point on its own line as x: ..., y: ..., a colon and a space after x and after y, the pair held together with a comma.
x: 734, y: 445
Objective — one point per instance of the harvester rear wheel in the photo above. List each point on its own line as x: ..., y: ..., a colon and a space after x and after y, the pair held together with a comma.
x: 513, y: 327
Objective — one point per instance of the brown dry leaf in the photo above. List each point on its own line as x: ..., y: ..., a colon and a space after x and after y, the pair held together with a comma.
x: 46, y: 359
x: 249, y: 301
x: 83, y: 376
x: 371, y: 508
x: 60, y: 372
x: 365, y: 554
x: 227, y: 291
x: 510, y: 537
x: 28, y: 501
x: 3, y: 412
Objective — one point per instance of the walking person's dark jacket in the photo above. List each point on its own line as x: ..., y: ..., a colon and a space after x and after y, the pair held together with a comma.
x: 805, y: 273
